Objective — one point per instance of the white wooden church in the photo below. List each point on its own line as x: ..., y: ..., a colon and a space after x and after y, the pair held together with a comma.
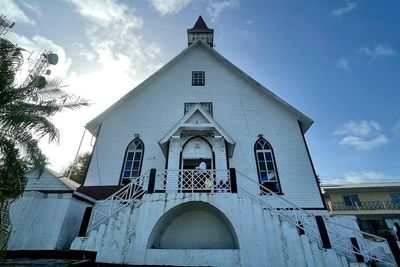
x: 257, y: 203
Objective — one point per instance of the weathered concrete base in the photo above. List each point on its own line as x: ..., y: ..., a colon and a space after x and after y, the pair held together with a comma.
x: 44, y: 221
x: 262, y: 237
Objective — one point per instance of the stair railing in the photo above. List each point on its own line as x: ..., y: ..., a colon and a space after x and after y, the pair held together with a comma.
x: 374, y: 248
x: 123, y: 197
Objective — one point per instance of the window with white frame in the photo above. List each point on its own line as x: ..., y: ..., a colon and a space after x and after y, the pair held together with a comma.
x: 395, y: 197
x: 198, y: 78
x: 351, y: 200
x: 207, y: 106
x: 265, y: 160
x: 133, y: 160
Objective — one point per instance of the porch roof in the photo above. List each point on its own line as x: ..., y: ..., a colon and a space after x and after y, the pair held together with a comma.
x: 184, y: 124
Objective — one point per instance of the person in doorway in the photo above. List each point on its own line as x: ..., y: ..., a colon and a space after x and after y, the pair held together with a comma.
x: 202, y: 166
x: 205, y: 182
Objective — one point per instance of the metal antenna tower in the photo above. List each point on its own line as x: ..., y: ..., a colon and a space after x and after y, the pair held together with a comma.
x: 40, y: 63
x: 5, y: 24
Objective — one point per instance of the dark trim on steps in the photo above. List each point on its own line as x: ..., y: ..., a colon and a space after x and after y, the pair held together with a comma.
x: 51, y: 254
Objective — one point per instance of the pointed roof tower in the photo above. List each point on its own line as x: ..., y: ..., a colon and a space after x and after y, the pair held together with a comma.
x: 202, y: 32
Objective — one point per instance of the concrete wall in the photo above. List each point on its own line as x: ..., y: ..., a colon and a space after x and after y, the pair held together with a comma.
x: 263, y: 238
x: 242, y: 110
x: 43, y: 221
x: 196, y: 229
x: 72, y: 223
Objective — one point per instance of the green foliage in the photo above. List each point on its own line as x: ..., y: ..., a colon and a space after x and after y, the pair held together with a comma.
x: 80, y: 168
x: 4, y: 227
x: 25, y: 117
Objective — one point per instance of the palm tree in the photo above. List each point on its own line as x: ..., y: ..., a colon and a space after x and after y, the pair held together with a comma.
x: 25, y: 117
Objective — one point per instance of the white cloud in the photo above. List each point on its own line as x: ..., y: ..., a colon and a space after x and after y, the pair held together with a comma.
x: 107, y: 13
x: 342, y: 63
x: 379, y: 51
x: 343, y: 10
x: 34, y: 8
x: 169, y: 6
x: 362, y: 135
x: 356, y: 177
x: 123, y: 60
x: 14, y: 12
x: 363, y: 176
x: 396, y: 129
x: 112, y: 32
x: 80, y: 50
x: 216, y: 7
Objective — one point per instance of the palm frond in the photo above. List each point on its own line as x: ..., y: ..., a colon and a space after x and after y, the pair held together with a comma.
x: 5, y: 228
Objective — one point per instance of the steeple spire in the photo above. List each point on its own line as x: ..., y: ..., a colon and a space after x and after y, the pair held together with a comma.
x: 202, y: 32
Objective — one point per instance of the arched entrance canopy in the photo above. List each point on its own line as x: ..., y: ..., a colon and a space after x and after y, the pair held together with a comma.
x: 197, y: 122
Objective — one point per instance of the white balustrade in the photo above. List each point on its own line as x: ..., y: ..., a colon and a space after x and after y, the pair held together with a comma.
x: 117, y: 201
x: 213, y: 181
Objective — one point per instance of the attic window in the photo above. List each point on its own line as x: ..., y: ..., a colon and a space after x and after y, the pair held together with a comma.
x: 207, y: 106
x: 198, y: 78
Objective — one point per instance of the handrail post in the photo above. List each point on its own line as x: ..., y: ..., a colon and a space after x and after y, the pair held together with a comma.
x: 152, y: 181
x: 326, y: 243
x: 356, y: 249
x: 232, y: 176
x: 394, y: 248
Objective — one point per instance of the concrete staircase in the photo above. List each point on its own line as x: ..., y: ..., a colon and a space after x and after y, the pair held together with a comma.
x: 290, y: 235
x: 285, y: 247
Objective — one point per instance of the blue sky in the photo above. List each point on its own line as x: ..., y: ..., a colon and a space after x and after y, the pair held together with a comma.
x: 336, y: 61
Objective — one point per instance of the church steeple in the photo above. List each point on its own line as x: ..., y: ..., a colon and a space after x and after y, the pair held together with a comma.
x: 202, y: 32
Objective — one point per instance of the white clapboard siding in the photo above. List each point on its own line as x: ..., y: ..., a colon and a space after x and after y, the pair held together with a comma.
x: 240, y: 107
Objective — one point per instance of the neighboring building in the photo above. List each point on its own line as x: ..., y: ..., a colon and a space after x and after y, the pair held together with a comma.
x: 257, y: 203
x: 376, y: 205
x: 46, y: 216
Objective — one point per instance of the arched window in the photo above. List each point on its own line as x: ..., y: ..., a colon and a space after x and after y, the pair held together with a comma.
x: 133, y: 160
x: 266, y: 166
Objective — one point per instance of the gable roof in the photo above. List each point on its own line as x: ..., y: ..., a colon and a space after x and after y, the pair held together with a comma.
x: 49, y: 180
x: 210, y: 124
x: 305, y: 121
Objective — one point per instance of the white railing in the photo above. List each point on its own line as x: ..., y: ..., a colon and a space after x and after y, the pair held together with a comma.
x: 372, y: 250
x: 117, y: 201
x: 371, y: 247
x: 214, y: 181
x: 364, y: 205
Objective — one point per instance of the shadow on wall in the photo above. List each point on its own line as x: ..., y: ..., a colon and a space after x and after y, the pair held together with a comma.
x: 193, y: 225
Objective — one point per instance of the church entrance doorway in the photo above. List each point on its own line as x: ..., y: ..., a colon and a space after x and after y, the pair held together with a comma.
x: 191, y: 178
x: 195, y: 149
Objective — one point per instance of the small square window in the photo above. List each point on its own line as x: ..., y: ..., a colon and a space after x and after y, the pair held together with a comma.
x: 198, y: 78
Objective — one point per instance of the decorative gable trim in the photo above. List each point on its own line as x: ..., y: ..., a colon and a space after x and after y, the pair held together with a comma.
x: 183, y: 124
